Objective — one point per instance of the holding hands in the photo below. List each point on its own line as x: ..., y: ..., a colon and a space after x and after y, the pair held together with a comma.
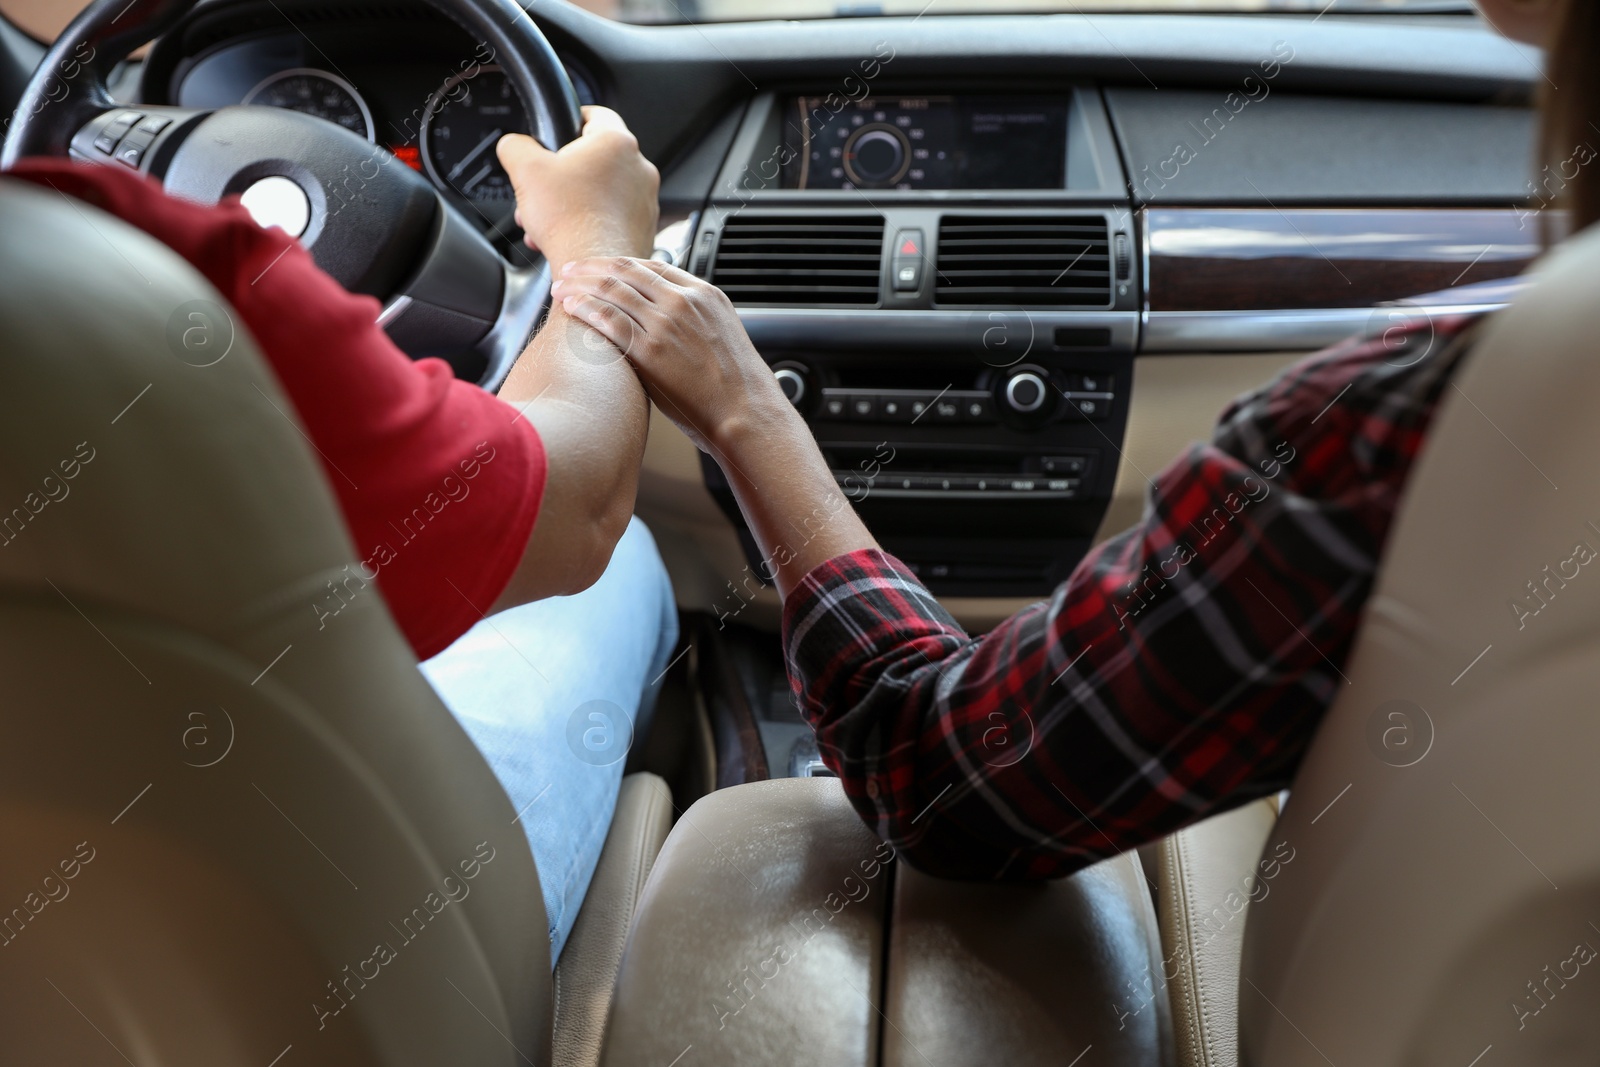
x: 685, y: 340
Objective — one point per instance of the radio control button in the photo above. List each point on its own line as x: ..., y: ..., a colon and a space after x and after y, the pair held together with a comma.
x: 1089, y: 383
x: 899, y: 408
x: 864, y: 408
x: 1071, y: 466
x: 977, y: 407
x: 834, y: 406
x: 1093, y: 407
x: 793, y: 384
x: 946, y: 409
x: 1026, y: 392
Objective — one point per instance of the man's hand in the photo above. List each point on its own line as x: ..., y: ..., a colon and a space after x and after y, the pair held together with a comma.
x: 596, y: 196
x: 685, y: 340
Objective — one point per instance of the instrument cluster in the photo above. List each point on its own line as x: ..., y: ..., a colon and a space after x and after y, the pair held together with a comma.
x: 439, y: 116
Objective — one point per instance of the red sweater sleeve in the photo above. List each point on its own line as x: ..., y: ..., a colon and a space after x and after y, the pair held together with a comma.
x: 439, y: 481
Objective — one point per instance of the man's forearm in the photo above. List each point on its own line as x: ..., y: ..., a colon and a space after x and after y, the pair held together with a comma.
x: 593, y: 416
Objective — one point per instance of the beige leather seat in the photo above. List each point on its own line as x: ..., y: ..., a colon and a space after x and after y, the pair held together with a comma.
x: 228, y: 836
x: 1441, y: 904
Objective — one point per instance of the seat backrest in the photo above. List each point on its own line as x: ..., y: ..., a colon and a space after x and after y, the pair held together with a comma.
x: 1444, y: 898
x: 229, y: 824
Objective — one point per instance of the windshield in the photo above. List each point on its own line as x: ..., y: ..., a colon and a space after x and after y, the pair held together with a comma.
x: 681, y: 11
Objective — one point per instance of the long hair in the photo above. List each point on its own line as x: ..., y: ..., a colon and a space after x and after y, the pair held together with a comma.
x: 1571, y: 105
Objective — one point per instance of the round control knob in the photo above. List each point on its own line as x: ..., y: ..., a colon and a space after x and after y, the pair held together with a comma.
x: 793, y: 384
x: 1026, y: 392
x: 877, y: 155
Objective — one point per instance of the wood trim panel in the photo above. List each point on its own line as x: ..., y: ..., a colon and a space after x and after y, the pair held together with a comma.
x: 1257, y: 259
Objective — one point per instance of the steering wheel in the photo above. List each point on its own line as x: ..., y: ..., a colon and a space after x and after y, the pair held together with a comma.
x: 371, y: 222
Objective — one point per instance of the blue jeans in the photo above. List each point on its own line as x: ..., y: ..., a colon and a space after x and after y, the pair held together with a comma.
x: 553, y: 693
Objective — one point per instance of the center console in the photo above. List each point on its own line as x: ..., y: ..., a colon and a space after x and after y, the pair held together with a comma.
x: 958, y: 334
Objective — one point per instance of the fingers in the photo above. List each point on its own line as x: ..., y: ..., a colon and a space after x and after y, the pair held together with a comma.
x: 681, y: 281
x: 676, y: 276
x: 523, y: 158
x: 518, y: 152
x: 606, y: 319
x: 648, y: 283
x: 597, y: 118
x: 573, y: 291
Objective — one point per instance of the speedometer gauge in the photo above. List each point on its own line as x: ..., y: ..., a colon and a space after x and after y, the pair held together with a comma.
x: 464, y: 120
x: 315, y: 92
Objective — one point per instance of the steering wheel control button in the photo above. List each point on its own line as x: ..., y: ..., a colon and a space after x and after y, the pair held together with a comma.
x: 906, y: 263
x: 277, y: 201
x: 130, y: 153
x: 153, y: 124
x: 1026, y: 392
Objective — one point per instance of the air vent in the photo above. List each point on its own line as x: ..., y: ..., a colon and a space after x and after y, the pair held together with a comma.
x: 809, y: 260
x: 1031, y: 261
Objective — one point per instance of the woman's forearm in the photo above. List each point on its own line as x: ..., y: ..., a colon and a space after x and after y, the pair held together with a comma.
x: 684, y: 337
x: 789, y: 498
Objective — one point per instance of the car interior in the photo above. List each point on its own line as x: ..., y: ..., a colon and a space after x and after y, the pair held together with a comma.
x: 1007, y: 258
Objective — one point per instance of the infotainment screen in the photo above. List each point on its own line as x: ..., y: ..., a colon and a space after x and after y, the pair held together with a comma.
x: 925, y: 142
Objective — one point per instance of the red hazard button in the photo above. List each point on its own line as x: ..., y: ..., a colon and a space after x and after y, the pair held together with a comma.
x: 906, y: 267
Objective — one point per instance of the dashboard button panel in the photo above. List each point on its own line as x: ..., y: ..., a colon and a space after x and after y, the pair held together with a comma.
x: 907, y: 406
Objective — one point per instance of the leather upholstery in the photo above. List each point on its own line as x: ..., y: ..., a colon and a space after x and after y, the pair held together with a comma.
x: 1026, y: 974
x: 1210, y: 872
x: 588, y: 966
x: 265, y: 802
x: 1441, y: 907
x: 759, y: 936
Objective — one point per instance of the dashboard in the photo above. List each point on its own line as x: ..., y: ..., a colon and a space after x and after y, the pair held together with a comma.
x: 1000, y: 266
x: 926, y: 142
x: 426, y: 93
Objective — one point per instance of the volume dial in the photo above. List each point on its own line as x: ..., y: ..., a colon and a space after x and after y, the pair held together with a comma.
x: 793, y: 384
x: 1026, y: 392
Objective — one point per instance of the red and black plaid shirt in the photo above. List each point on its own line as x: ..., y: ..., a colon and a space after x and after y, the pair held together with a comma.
x: 1181, y: 670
